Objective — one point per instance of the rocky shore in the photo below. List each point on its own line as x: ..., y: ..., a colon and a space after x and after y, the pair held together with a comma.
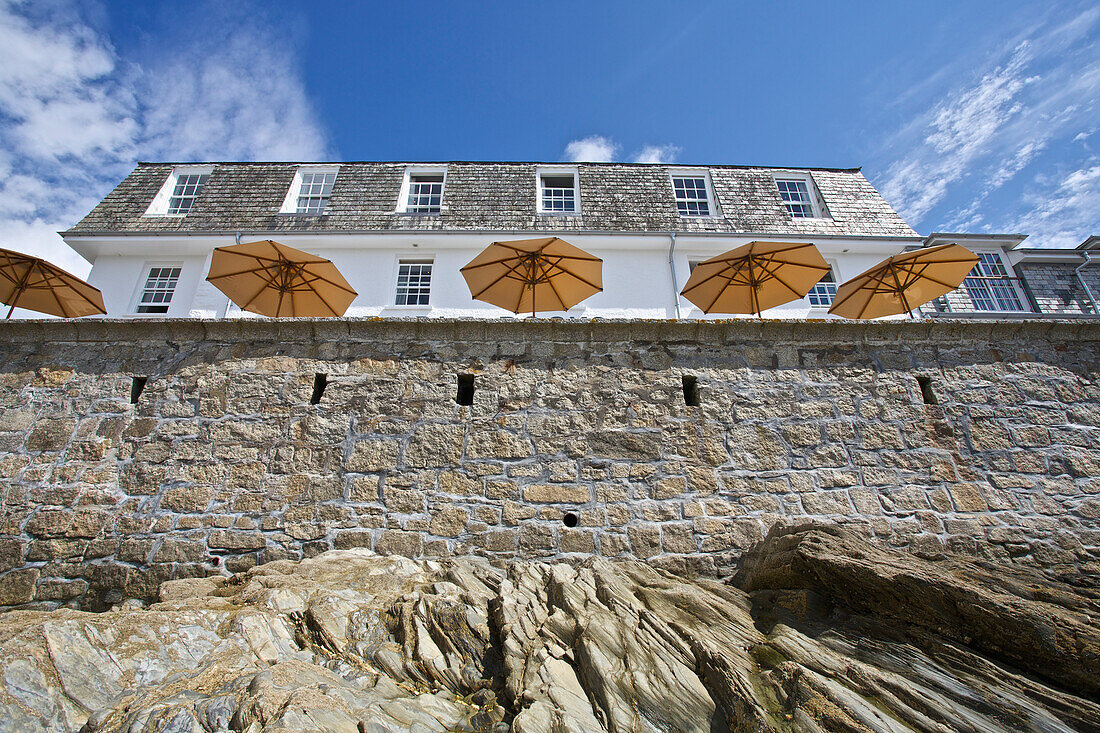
x: 819, y: 631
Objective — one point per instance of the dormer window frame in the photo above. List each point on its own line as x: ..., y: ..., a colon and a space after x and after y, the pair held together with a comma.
x: 294, y: 193
x: 714, y: 211
x: 551, y: 172
x: 818, y: 209
x: 162, y: 202
x: 407, y: 183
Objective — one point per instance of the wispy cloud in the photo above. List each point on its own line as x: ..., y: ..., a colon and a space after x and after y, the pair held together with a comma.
x: 657, y: 154
x: 1065, y: 213
x: 1020, y: 114
x: 591, y: 149
x: 75, y: 115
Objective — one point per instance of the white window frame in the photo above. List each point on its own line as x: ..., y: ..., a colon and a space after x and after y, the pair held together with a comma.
x: 547, y: 171
x: 1013, y: 285
x: 413, y: 258
x: 290, y: 203
x: 818, y: 209
x: 712, y: 200
x: 836, y: 284
x: 159, y: 205
x: 146, y: 269
x: 406, y: 184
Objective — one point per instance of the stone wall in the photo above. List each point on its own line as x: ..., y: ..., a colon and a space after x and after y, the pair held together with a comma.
x: 932, y: 436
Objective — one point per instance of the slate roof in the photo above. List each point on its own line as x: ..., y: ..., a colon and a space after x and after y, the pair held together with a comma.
x: 495, y: 197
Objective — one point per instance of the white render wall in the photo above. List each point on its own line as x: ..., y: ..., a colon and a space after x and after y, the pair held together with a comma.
x: 637, y: 280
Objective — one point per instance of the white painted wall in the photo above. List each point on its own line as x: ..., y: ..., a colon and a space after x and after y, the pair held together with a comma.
x: 637, y: 280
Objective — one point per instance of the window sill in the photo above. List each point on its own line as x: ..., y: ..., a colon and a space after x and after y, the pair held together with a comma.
x: 407, y: 307
x: 300, y: 213
x: 417, y: 213
x: 163, y: 216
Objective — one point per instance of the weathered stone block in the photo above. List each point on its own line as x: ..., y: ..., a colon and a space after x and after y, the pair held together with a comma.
x: 176, y: 549
x: 679, y: 538
x: 574, y: 540
x: 557, y: 493
x: 345, y: 540
x: 17, y: 586
x: 397, y: 542
x: 669, y: 488
x: 49, y: 522
x: 228, y: 539
x: 403, y: 501
x: 497, y: 444
x: 50, y: 434
x: 373, y: 455
x: 645, y: 540
x: 435, y: 445
x: 537, y: 540
x: 449, y: 521
x: 194, y: 498
x: 639, y: 446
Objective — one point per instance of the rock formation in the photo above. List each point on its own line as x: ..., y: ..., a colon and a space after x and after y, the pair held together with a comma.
x: 826, y: 633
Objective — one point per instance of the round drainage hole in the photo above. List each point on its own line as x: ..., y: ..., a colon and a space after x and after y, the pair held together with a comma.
x: 570, y: 519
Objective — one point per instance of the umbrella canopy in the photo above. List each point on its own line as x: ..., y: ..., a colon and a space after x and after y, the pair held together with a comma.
x: 904, y: 282
x: 34, y: 284
x: 526, y: 274
x: 755, y: 277
x: 275, y: 280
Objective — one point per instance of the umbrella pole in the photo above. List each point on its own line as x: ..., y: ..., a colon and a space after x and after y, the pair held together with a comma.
x: 19, y: 290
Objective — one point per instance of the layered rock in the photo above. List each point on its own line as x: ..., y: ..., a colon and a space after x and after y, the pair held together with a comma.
x: 830, y: 634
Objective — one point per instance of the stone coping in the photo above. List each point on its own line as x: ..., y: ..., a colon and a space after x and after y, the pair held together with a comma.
x: 344, y: 330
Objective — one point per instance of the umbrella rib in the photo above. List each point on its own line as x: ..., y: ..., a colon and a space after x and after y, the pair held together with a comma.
x: 56, y: 297
x: 846, y: 298
x: 320, y: 297
x: 511, y: 269
x: 780, y: 280
x: 570, y: 273
x: 267, y: 284
x: 550, y: 282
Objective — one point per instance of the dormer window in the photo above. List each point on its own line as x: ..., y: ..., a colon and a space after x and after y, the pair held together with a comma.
x: 800, y: 196
x: 188, y: 187
x: 558, y: 192
x: 422, y: 192
x: 316, y: 188
x: 310, y: 191
x: 693, y: 193
x: 180, y: 191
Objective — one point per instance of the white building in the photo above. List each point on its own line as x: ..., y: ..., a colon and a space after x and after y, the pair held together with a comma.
x: 400, y: 232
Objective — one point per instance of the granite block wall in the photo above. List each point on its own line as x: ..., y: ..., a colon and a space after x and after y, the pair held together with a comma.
x: 132, y: 452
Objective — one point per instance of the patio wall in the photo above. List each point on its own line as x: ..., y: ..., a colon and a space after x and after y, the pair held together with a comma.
x: 223, y: 462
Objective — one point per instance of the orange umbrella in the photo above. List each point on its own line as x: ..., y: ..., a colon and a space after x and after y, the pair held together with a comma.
x: 528, y: 273
x: 275, y: 280
x: 755, y: 277
x: 37, y: 285
x: 904, y: 282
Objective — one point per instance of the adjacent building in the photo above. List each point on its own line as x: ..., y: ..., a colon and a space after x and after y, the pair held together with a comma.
x: 399, y: 232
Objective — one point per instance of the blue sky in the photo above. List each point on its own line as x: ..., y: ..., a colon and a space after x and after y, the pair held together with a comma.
x: 968, y: 116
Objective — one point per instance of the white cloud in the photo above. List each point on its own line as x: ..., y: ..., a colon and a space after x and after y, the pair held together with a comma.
x: 74, y: 115
x: 591, y: 149
x: 978, y: 135
x: 956, y: 131
x: 1063, y: 215
x: 600, y: 149
x: 657, y: 154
